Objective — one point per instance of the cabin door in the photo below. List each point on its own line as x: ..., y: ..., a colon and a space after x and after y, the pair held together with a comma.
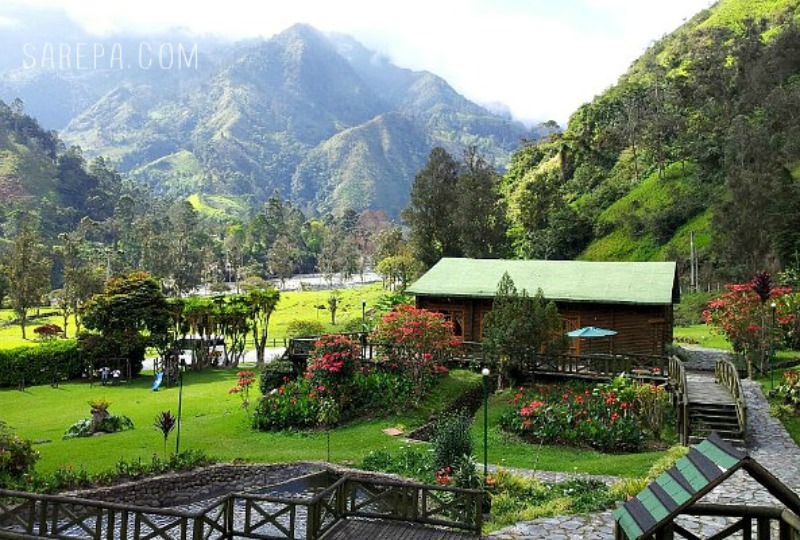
x: 568, y: 324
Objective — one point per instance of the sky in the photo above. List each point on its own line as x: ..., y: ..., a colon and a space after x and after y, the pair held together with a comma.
x: 539, y: 59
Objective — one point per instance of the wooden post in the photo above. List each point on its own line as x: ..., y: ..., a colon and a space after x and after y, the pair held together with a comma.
x: 666, y: 533
x: 763, y: 529
x: 229, y: 521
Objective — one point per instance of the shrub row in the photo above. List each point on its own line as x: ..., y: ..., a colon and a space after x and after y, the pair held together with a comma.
x: 40, y: 365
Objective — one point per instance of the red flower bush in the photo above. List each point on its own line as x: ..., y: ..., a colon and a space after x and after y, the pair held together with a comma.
x: 246, y: 380
x: 417, y: 341
x: 603, y: 417
x: 331, y: 367
x: 744, y: 319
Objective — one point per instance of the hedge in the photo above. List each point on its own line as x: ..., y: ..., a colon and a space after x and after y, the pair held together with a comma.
x: 41, y: 364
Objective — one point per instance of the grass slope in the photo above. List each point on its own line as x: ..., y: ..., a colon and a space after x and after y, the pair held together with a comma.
x: 654, y: 205
x: 213, y: 422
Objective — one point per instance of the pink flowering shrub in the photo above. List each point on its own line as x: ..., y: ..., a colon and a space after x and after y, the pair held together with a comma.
x: 242, y: 388
x: 329, y: 378
x: 334, y: 375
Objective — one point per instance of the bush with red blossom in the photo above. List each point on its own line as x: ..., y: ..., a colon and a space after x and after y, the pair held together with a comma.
x: 746, y: 321
x: 419, y: 342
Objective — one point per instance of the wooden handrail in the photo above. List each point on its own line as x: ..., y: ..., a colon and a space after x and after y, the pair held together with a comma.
x: 677, y: 381
x: 725, y: 373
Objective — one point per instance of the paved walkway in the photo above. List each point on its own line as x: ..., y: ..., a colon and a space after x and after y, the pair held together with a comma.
x: 768, y: 443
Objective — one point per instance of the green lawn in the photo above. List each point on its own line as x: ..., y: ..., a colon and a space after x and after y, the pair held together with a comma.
x: 702, y: 335
x: 214, y: 423
x: 11, y: 335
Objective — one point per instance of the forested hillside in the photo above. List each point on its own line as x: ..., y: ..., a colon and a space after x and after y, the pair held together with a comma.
x: 701, y: 134
x: 67, y: 224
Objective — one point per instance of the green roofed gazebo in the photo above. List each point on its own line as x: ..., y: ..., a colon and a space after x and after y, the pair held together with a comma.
x: 652, y: 513
x: 634, y: 299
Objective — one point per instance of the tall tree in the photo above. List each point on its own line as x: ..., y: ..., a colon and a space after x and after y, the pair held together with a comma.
x: 4, y: 285
x: 233, y: 246
x: 280, y: 259
x: 433, y: 232
x: 262, y: 303
x: 131, y: 314
x: 479, y: 213
x: 187, y: 254
x: 28, y: 272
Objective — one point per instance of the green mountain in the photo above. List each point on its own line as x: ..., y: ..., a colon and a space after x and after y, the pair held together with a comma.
x: 39, y: 175
x: 700, y: 135
x: 312, y: 117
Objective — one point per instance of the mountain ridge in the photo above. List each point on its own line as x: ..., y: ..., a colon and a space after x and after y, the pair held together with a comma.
x: 260, y: 117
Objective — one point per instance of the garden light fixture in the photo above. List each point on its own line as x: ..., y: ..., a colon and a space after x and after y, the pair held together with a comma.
x: 485, y: 373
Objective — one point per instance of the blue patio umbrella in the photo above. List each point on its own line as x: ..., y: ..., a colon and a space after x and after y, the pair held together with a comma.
x: 591, y: 332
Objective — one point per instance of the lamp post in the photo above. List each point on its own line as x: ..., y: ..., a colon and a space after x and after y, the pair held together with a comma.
x: 485, y: 373
x: 772, y: 348
x: 181, y: 366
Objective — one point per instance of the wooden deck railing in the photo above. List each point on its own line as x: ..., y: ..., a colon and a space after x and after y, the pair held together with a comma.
x: 260, y: 517
x: 417, y: 503
x: 680, y: 397
x: 30, y: 514
x: 604, y: 366
x: 727, y: 375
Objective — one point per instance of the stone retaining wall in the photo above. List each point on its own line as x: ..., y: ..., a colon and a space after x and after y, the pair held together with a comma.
x: 177, y: 489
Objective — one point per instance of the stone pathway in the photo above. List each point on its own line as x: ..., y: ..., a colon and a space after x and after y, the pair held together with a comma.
x: 768, y: 443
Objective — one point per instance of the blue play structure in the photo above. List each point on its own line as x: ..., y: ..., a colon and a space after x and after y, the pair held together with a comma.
x: 157, y: 381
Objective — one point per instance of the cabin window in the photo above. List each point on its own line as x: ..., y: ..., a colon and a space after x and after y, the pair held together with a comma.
x: 456, y: 316
x: 482, y: 322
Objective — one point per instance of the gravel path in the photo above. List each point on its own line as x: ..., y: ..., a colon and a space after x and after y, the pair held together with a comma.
x: 769, y: 444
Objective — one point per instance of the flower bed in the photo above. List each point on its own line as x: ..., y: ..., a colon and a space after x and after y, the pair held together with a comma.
x: 608, y: 417
x: 335, y: 387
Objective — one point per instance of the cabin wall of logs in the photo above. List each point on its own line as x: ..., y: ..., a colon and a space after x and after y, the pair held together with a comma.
x: 641, y: 328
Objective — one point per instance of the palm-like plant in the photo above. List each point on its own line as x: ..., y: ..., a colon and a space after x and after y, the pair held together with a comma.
x: 165, y: 423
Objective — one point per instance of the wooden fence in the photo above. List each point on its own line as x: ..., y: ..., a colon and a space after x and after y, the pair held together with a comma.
x: 260, y: 517
x: 726, y: 374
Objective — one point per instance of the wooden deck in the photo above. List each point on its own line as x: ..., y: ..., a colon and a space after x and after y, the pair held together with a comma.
x: 355, y: 529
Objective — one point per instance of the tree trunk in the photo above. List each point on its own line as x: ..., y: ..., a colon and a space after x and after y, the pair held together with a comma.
x: 261, y: 345
x: 23, y: 319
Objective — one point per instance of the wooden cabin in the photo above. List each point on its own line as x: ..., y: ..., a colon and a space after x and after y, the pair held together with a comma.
x: 633, y: 298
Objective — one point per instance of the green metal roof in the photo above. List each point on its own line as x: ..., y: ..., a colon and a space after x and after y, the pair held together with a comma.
x: 577, y: 281
x: 706, y: 466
